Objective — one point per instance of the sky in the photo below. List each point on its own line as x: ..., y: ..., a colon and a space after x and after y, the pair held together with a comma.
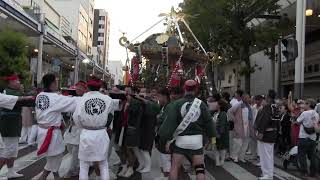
x: 132, y: 17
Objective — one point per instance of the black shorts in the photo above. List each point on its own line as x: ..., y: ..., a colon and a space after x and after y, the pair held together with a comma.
x: 188, y: 153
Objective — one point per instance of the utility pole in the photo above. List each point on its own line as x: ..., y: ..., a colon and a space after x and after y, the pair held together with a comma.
x: 300, y: 36
x: 279, y: 88
x: 76, y: 66
x: 40, y: 43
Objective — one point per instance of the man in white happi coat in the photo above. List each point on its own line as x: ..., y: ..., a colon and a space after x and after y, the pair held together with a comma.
x: 93, y: 115
x: 49, y: 106
x: 72, y: 136
x: 10, y: 102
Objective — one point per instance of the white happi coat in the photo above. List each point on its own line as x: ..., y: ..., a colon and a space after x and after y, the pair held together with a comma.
x: 72, y: 135
x: 92, y: 115
x: 49, y: 107
x: 8, y: 101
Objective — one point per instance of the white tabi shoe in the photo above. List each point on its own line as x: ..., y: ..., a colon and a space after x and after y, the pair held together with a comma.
x: 112, y: 175
x: 265, y: 178
x: 162, y: 178
x: 13, y: 174
x: 147, y: 162
x: 123, y: 171
x: 140, y: 167
x: 129, y: 172
x: 258, y: 164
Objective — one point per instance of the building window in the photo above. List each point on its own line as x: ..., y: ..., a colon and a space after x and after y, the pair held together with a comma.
x: 100, y: 34
x: 83, y: 19
x: 100, y: 43
x: 101, y: 26
x: 230, y: 79
x: 310, y: 69
x: 316, y: 68
x: 82, y: 37
x: 101, y: 18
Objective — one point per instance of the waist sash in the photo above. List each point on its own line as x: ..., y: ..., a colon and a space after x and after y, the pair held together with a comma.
x: 192, y: 116
x: 93, y: 128
x: 192, y: 142
x: 45, y: 145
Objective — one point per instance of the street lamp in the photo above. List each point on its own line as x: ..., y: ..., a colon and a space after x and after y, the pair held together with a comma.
x: 309, y: 10
x: 85, y: 61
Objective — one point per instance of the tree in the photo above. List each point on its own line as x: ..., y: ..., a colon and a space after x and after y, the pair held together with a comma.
x: 223, y: 28
x: 13, y: 54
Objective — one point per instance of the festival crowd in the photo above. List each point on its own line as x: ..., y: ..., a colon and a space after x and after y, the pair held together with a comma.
x: 90, y: 120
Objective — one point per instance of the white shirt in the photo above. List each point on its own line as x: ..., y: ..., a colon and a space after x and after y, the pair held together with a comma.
x: 255, y: 111
x: 317, y: 108
x: 234, y: 102
x: 245, y: 118
x: 92, y: 112
x: 49, y: 107
x: 8, y: 101
x: 308, y: 119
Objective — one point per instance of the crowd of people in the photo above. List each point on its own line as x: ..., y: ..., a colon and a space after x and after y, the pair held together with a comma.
x: 176, y: 121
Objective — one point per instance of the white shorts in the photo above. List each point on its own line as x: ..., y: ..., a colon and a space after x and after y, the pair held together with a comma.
x: 165, y: 162
x: 10, y: 149
x: 53, y: 163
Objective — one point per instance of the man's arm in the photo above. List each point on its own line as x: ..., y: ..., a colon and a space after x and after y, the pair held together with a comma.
x: 232, y: 111
x: 210, y: 126
x: 26, y: 101
x: 169, y: 124
x: 301, y: 118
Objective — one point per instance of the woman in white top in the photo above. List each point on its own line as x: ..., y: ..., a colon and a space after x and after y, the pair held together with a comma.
x: 307, y: 137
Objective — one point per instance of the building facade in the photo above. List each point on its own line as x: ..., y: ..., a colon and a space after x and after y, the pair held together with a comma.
x: 115, y: 68
x: 101, y: 32
x: 80, y: 14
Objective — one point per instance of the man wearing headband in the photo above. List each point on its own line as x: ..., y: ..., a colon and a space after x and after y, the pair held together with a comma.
x: 49, y: 106
x: 72, y: 136
x: 11, y: 125
x: 188, y: 119
x: 94, y: 114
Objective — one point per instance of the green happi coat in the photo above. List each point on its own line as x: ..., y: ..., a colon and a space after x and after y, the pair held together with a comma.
x: 203, y: 126
x: 160, y: 144
x: 135, y: 114
x: 148, y: 125
x: 10, y: 120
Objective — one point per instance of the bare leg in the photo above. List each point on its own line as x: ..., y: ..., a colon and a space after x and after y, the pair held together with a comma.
x: 177, y: 160
x: 2, y: 162
x: 196, y: 161
x: 96, y: 166
x: 44, y: 175
x: 10, y: 162
x: 131, y: 157
x: 56, y: 175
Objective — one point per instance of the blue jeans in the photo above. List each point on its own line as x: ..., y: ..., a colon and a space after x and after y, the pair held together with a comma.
x: 307, y: 148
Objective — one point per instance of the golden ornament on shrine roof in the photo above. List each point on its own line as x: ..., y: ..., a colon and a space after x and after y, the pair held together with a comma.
x: 162, y: 38
x: 123, y: 41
